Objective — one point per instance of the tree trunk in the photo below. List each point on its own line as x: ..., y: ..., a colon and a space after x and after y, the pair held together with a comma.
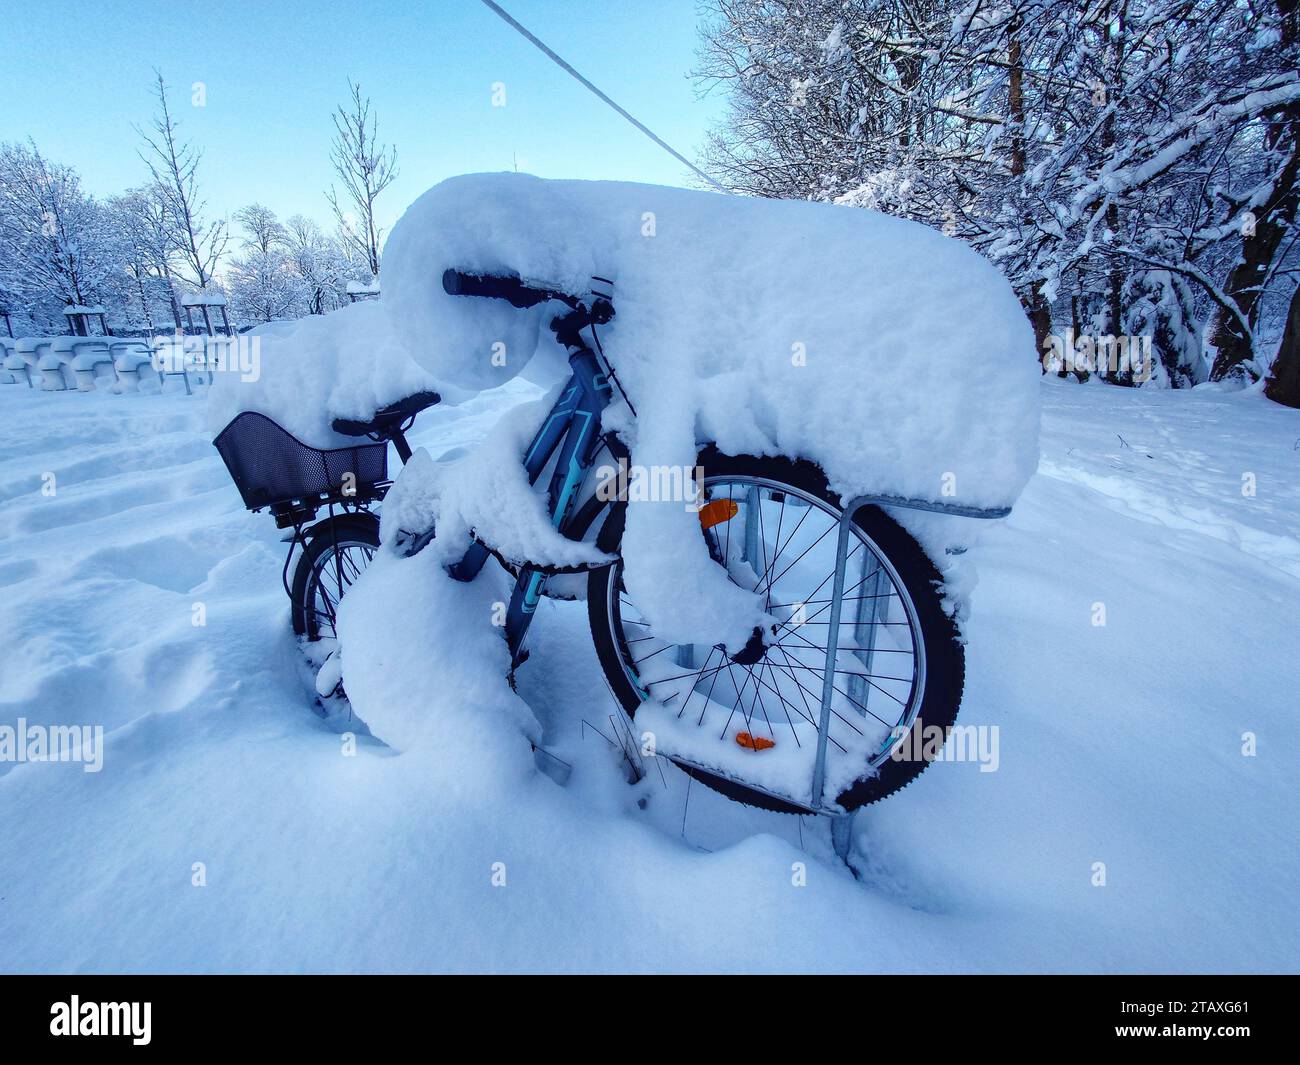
x: 144, y: 300
x: 1233, y: 349
x: 1283, y: 384
x: 1116, y: 274
x: 1036, y: 307
x: 1076, y: 323
x: 1039, y: 312
x: 1016, y: 97
x: 171, y: 298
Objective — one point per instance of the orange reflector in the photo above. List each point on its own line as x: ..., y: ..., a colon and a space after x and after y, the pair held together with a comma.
x: 718, y: 511
x: 754, y: 743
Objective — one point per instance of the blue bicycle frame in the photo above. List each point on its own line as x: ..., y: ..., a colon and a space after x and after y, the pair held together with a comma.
x: 572, y: 427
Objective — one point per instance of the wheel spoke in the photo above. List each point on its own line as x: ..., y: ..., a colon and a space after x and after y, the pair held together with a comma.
x: 331, y: 575
x: 786, y: 678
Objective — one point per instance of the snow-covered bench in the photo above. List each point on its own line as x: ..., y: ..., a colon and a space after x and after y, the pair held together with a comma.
x: 358, y: 290
x: 179, y: 357
x: 59, y: 363
x: 133, y: 364
x: 92, y: 362
x: 26, y: 354
x: 50, y: 376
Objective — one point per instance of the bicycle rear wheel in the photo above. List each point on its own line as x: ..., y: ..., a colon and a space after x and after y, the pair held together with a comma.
x: 747, y: 723
x: 333, y: 559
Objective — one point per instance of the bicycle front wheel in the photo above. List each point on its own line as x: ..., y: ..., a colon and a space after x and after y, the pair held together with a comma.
x: 748, y: 723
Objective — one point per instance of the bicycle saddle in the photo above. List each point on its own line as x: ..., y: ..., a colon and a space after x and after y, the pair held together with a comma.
x: 387, y: 419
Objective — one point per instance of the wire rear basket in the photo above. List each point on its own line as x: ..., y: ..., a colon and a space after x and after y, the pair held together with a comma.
x: 270, y: 465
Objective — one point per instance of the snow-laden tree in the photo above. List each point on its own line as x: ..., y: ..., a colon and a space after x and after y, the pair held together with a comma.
x: 1266, y: 202
x: 59, y: 246
x: 262, y: 283
x: 150, y: 300
x: 1160, y: 304
x: 318, y: 262
x: 263, y: 232
x: 262, y: 289
x: 1058, y: 137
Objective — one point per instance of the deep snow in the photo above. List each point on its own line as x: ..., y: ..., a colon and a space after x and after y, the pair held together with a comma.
x: 1118, y: 744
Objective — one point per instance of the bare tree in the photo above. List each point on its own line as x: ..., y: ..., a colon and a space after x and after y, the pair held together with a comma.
x: 365, y: 168
x: 197, y: 244
x: 264, y: 231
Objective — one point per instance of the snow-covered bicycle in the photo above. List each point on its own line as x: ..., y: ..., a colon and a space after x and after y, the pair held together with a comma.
x: 855, y: 649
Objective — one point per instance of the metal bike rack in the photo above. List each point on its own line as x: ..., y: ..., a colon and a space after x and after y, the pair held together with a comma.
x: 841, y: 822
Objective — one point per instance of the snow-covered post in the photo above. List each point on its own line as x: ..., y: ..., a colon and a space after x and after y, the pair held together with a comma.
x: 359, y: 291
x: 79, y: 320
x: 866, y: 618
x: 206, y: 302
x: 832, y: 650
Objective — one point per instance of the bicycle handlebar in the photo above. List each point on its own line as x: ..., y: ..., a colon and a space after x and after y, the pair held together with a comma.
x: 510, y: 288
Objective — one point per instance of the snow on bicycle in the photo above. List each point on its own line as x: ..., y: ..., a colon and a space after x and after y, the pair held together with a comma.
x: 844, y: 382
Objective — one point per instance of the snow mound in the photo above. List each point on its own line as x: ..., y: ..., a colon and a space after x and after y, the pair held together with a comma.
x: 897, y: 359
x: 306, y: 373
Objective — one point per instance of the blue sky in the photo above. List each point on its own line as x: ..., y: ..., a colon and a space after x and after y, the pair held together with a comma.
x: 77, y: 76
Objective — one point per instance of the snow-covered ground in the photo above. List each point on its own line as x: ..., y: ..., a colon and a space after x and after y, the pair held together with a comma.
x: 1119, y: 743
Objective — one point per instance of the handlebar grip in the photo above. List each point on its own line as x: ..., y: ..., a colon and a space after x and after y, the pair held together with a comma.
x: 510, y: 289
